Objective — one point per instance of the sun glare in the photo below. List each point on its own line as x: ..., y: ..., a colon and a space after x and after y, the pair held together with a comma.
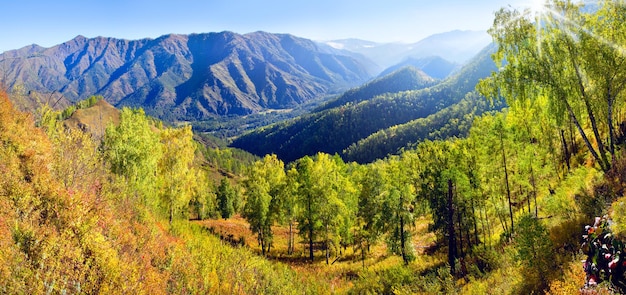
x: 537, y: 7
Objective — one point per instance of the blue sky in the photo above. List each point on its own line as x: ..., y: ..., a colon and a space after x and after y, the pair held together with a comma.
x: 51, y: 22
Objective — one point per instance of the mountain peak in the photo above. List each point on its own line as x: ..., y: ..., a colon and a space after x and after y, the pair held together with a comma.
x: 79, y: 38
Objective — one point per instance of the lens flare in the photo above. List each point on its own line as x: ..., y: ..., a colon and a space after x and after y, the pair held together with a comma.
x: 537, y: 7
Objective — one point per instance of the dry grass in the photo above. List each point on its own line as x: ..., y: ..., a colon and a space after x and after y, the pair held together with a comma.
x: 339, y: 275
x: 94, y: 119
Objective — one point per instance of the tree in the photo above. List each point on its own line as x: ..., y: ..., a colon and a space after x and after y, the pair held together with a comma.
x: 132, y: 151
x: 308, y: 225
x: 204, y: 203
x: 262, y: 209
x: 397, y: 206
x: 322, y: 211
x: 225, y: 197
x: 369, y: 216
x: 570, y: 55
x: 534, y: 250
x: 290, y: 208
x: 176, y: 170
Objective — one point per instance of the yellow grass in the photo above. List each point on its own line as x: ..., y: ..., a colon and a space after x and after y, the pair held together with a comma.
x: 94, y: 119
x: 347, y: 267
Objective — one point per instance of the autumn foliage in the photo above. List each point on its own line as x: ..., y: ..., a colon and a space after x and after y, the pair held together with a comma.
x: 69, y: 225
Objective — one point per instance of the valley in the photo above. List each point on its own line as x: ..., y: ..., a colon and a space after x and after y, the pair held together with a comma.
x: 266, y: 163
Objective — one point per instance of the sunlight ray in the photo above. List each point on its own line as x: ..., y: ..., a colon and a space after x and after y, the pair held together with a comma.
x: 542, y: 13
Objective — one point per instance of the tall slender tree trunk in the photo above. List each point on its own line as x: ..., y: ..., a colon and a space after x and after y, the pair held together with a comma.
x: 171, y: 213
x: 290, y: 238
x: 485, y: 225
x: 452, y: 254
x: 476, y: 240
x: 467, y: 234
x: 573, y: 146
x: 326, y: 245
x: 261, y: 242
x: 506, y: 180
x: 460, y: 230
x: 582, y: 133
x: 566, y: 153
x: 310, y: 225
x: 610, y: 101
x: 403, y: 241
x: 592, y: 118
x: 362, y: 253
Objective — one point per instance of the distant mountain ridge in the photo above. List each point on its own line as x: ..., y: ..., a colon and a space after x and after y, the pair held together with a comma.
x: 433, y: 66
x: 456, y: 47
x: 188, y: 77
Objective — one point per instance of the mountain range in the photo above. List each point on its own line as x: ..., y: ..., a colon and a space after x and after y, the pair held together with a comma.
x: 188, y: 77
x: 203, y: 76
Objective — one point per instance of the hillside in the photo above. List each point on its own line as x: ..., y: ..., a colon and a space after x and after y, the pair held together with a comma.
x: 94, y: 119
x: 187, y: 77
x: 407, y: 78
x: 450, y: 122
x: 433, y: 66
x: 333, y: 130
x: 70, y: 226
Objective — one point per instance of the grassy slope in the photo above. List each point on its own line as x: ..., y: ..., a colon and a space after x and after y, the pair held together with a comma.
x: 342, y: 275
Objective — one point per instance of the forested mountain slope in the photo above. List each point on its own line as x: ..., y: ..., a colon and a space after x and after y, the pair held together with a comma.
x: 453, y: 121
x: 402, y: 79
x: 187, y: 76
x: 333, y: 130
x: 433, y: 66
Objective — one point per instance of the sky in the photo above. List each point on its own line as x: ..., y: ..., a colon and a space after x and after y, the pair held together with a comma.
x: 51, y: 22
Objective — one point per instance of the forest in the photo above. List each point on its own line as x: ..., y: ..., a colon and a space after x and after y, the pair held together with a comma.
x: 149, y: 208
x: 383, y: 103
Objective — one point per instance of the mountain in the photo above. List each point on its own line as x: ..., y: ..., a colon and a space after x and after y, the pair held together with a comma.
x: 456, y: 46
x: 407, y: 78
x: 433, y: 66
x: 188, y: 77
x: 335, y: 129
x: 383, y: 54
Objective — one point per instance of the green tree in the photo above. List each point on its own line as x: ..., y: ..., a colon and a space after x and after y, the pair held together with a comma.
x: 132, y: 150
x: 369, y: 216
x: 574, y: 57
x: 322, y: 211
x: 534, y: 250
x: 225, y: 197
x: 204, y: 203
x: 308, y: 219
x: 398, y: 204
x: 262, y: 209
x: 290, y: 208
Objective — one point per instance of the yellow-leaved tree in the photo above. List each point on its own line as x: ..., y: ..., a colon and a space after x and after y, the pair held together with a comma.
x: 176, y: 172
